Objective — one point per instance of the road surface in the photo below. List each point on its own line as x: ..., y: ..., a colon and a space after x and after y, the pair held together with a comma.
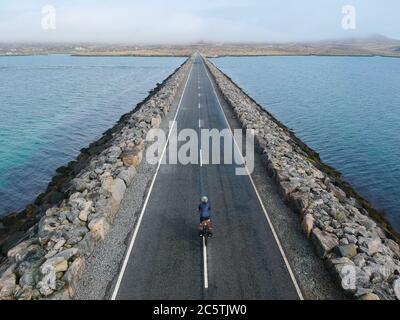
x: 166, y: 258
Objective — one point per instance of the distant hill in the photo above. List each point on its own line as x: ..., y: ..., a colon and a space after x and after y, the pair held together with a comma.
x: 375, y: 45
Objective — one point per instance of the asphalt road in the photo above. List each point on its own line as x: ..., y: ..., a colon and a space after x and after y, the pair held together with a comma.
x: 244, y: 259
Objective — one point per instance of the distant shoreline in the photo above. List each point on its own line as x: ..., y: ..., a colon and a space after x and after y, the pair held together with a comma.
x: 129, y: 55
x: 304, y: 55
x: 99, y: 55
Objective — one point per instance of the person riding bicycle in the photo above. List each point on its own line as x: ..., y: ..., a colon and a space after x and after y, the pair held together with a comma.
x: 205, y: 214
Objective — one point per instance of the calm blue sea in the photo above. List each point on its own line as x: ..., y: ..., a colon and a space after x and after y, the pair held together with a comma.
x: 52, y: 106
x: 346, y: 108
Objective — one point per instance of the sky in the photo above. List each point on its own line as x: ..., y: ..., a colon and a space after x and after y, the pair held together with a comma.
x: 188, y: 21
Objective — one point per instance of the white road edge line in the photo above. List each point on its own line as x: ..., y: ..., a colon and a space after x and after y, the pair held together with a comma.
x: 205, y: 271
x: 258, y: 196
x: 121, y: 274
x: 201, y: 157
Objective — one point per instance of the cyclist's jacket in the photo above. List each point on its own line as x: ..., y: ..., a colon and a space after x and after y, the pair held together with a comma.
x: 205, y: 210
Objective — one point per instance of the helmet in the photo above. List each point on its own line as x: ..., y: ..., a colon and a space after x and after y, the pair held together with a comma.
x: 204, y: 199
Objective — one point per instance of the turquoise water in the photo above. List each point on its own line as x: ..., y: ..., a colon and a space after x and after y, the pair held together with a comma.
x: 53, y: 106
x: 346, y: 108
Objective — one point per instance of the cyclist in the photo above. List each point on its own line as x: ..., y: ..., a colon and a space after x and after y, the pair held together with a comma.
x: 205, y: 215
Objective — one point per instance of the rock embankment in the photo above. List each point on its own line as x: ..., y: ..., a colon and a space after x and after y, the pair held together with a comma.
x: 51, y: 259
x: 362, y: 257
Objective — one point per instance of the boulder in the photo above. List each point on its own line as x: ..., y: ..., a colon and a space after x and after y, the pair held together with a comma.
x: 72, y: 216
x: 18, y: 249
x: 338, y: 193
x: 324, y: 242
x: 84, y: 213
x: 370, y: 296
x: 29, y: 278
x: 396, y: 288
x: 342, y: 260
x: 24, y: 293
x: 67, y: 254
x: 370, y: 245
x: 346, y: 273
x: 8, y: 284
x: 113, y: 152
x: 348, y: 251
x: 394, y: 247
x: 32, y: 258
x: 378, y: 272
x: 47, y: 227
x: 299, y: 201
x: 58, y: 264
x: 62, y: 295
x: 127, y: 175
x: 359, y: 260
x: 104, y: 207
x: 117, y: 189
x: 78, y: 184
x: 73, y: 275
x: 87, y: 244
x: 75, y: 234
x: 287, y: 187
x: 132, y: 157
x: 364, y: 220
x: 99, y: 228
x: 351, y: 238
x: 155, y: 121
x: 47, y: 284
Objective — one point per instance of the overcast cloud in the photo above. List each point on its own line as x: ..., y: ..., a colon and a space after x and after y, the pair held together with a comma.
x: 181, y: 21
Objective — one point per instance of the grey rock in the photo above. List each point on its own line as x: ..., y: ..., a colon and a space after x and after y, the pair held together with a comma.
x: 32, y: 258
x: 394, y: 247
x: 72, y: 216
x: 362, y: 292
x: 99, y: 228
x: 372, y: 245
x: 58, y: 264
x: 47, y: 227
x: 351, y: 238
x: 67, y: 254
x: 349, y: 230
x: 78, y: 184
x: 324, y: 241
x: 114, y: 152
x: 348, y: 251
x: 24, y: 293
x: 47, y: 284
x: 370, y: 296
x: 30, y: 278
x: 103, y: 207
x: 87, y: 244
x: 62, y: 294
x: 8, y: 284
x: 342, y: 260
x: 359, y: 260
x: 346, y: 275
x: 17, y: 251
x: 396, y: 288
x: 127, y: 175
x: 59, y: 244
x: 74, y: 273
x: 75, y: 232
